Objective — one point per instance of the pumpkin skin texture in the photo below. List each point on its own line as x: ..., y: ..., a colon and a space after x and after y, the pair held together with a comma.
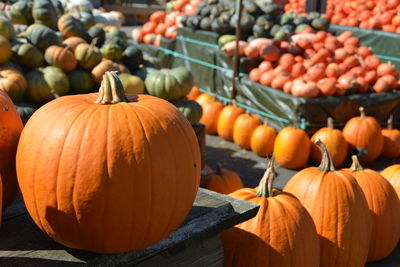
x: 210, y: 116
x: 6, y: 28
x: 119, y: 173
x: 169, y: 84
x: 194, y: 93
x: 133, y: 85
x: 10, y: 130
x: 226, y: 121
x: 28, y: 56
x: 191, y: 110
x: 88, y: 56
x: 264, y: 241
x: 334, y: 142
x: 60, y: 57
x: 222, y: 181
x: 111, y: 51
x: 73, y: 42
x: 104, y: 66
x: 44, y: 12
x: 132, y: 57
x: 339, y: 210
x: 80, y: 82
x: 13, y: 83
x: 70, y: 26
x: 364, y: 133
x: 45, y: 84
x: 243, y: 129
x: 392, y: 174
x: 384, y: 205
x: 263, y: 139
x: 204, y: 98
x: 5, y: 50
x: 292, y: 148
x: 41, y: 36
x: 391, y: 141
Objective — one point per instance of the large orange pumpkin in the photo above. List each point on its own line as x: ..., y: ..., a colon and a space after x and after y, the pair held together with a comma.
x: 292, y: 147
x: 339, y: 209
x: 334, y: 142
x: 10, y: 130
x: 243, y: 129
x: 391, y: 141
x: 364, y: 133
x: 263, y: 139
x: 211, y: 111
x: 384, y: 206
x: 93, y: 179
x: 222, y: 181
x: 281, y: 234
x: 226, y: 121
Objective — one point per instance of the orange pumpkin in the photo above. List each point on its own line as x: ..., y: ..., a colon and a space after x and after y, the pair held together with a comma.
x: 73, y: 41
x: 243, y: 129
x: 211, y: 111
x: 60, y: 57
x: 89, y: 176
x: 292, y: 147
x: 10, y: 130
x: 194, y: 93
x: 384, y: 205
x: 226, y: 121
x: 307, y: 89
x: 334, y: 142
x: 222, y: 181
x: 339, y: 210
x: 364, y: 134
x: 204, y: 98
x: 106, y: 65
x: 263, y: 139
x: 265, y: 240
x: 13, y: 83
x: 391, y: 141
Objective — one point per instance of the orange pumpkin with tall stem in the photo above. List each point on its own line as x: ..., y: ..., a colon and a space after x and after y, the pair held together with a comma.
x: 391, y: 141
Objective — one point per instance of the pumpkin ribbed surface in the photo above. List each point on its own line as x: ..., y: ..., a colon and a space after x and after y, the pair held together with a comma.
x: 103, y: 177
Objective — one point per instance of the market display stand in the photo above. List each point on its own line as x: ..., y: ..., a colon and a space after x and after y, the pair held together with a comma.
x: 195, y: 243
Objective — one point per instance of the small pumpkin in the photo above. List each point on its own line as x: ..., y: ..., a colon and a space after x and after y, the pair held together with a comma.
x: 342, y: 217
x: 204, y: 98
x: 391, y: 141
x: 111, y: 51
x: 88, y: 56
x: 281, y: 234
x: 5, y: 50
x: 10, y: 130
x: 194, y: 93
x: 222, y: 181
x: 211, y: 111
x: 132, y: 57
x: 6, y: 28
x: 170, y: 84
x: 364, y: 134
x: 263, y: 139
x: 28, y: 56
x: 383, y: 204
x: 243, y: 128
x: 133, y: 85
x: 13, y: 83
x: 155, y: 134
x: 292, y: 147
x: 306, y: 89
x: 25, y: 8
x: 334, y: 142
x: 80, y: 81
x: 191, y: 110
x: 97, y: 32
x: 16, y: 17
x: 104, y: 66
x: 73, y: 42
x: 41, y: 36
x: 60, y: 57
x: 69, y: 26
x: 45, y: 84
x: 45, y: 13
x: 226, y: 121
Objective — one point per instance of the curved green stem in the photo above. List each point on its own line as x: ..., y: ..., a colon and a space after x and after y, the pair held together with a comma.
x: 356, y: 166
x: 266, y: 183
x: 326, y: 161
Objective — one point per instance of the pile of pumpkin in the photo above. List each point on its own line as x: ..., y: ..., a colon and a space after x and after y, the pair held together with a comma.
x: 59, y: 55
x: 292, y: 146
x: 317, y: 64
x: 382, y: 14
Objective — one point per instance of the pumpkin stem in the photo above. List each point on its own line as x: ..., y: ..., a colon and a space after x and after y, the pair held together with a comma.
x: 362, y: 112
x: 111, y: 89
x: 266, y: 183
x: 330, y: 123
x: 234, y: 102
x: 266, y: 121
x: 94, y: 42
x: 218, y: 171
x: 326, y: 162
x: 390, y: 123
x: 356, y: 166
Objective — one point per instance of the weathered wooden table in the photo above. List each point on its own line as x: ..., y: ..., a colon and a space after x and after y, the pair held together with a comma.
x: 195, y: 243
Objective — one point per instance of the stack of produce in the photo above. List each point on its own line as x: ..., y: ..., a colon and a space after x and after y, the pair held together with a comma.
x: 382, y: 14
x: 292, y: 146
x: 318, y: 64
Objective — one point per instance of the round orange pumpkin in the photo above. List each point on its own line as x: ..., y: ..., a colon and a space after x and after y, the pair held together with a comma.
x: 73, y: 41
x: 13, y: 83
x: 243, y: 129
x: 60, y: 57
x: 364, y: 134
x: 339, y: 210
x: 281, y: 234
x: 334, y: 142
x: 10, y: 130
x: 391, y: 141
x: 210, y: 116
x: 263, y: 139
x: 222, y: 181
x: 94, y: 180
x: 194, y: 93
x: 226, y: 121
x: 384, y: 205
x: 292, y: 147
